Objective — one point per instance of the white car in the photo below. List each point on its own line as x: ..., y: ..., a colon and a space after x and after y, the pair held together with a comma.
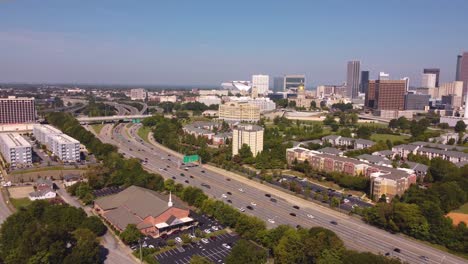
x: 204, y: 240
x: 242, y: 209
x: 310, y: 216
x: 191, y: 236
x: 207, y: 231
x: 271, y: 221
x: 151, y: 246
x: 224, y: 196
x: 241, y: 190
x: 253, y: 204
x: 346, y: 200
x: 226, y: 246
x: 215, y: 228
x: 161, y: 169
x: 178, y: 240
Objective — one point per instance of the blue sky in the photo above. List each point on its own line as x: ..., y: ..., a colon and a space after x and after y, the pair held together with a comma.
x: 207, y: 42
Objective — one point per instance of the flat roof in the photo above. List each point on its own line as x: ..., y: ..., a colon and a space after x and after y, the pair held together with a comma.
x: 48, y: 129
x: 13, y: 140
x: 66, y: 139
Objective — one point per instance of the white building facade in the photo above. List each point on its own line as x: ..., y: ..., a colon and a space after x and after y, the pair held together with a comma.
x: 262, y: 82
x: 63, y: 146
x: 15, y: 149
x: 138, y: 94
x: 251, y: 135
x: 428, y: 80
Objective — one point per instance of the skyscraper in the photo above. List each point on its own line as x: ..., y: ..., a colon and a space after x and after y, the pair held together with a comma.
x: 464, y: 72
x: 364, y: 81
x: 429, y: 80
x: 278, y: 84
x: 293, y: 81
x: 262, y: 82
x: 435, y: 71
x: 457, y: 70
x: 17, y: 110
x: 352, y: 80
x: 387, y: 94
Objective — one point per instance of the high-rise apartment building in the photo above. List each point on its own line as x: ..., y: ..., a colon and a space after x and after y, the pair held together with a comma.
x: 15, y: 149
x: 251, y: 135
x: 364, y: 81
x: 435, y: 71
x: 262, y: 82
x: 294, y: 81
x: 138, y: 94
x: 62, y: 146
x: 429, y: 80
x: 464, y: 72
x: 352, y: 80
x: 386, y: 94
x: 14, y: 110
x: 239, y: 111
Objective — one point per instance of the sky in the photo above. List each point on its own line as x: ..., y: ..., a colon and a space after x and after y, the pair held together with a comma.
x: 203, y: 42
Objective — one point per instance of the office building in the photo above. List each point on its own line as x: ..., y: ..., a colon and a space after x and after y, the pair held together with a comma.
x: 364, y: 81
x: 452, y: 101
x: 15, y: 150
x: 293, y: 81
x: 417, y: 101
x: 209, y: 100
x: 436, y: 72
x: 239, y: 111
x: 262, y: 82
x: 352, y: 80
x: 138, y: 94
x: 278, y: 84
x: 64, y: 147
x: 386, y: 94
x: 445, y: 89
x: 384, y: 76
x: 464, y: 72
x: 251, y: 135
x: 16, y: 110
x: 458, y: 69
x: 428, y: 80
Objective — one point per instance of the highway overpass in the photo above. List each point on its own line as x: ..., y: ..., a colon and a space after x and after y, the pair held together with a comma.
x: 108, y: 119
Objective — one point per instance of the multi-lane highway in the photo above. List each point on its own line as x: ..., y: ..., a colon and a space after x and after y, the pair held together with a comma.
x: 243, y: 192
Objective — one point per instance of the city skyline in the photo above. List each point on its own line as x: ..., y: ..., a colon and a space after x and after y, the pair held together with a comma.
x: 161, y: 44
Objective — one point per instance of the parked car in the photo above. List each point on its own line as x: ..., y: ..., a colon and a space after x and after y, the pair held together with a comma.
x: 226, y: 246
x: 178, y: 240
x: 204, y: 240
x: 208, y: 231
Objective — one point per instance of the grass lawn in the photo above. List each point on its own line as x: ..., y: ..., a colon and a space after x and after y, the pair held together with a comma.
x: 143, y: 133
x: 463, y: 209
x: 20, y: 202
x: 43, y: 169
x: 97, y: 127
x: 384, y: 137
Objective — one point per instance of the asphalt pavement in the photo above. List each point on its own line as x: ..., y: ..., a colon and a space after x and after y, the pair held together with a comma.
x: 355, y: 233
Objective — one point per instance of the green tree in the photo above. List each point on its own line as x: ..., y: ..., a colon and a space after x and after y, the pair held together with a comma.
x: 460, y: 126
x: 86, y: 250
x: 246, y: 252
x: 196, y: 259
x: 364, y: 132
x: 290, y: 249
x: 245, y: 152
x: 131, y: 234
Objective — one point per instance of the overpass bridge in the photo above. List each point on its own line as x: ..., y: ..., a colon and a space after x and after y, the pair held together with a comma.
x: 114, y: 118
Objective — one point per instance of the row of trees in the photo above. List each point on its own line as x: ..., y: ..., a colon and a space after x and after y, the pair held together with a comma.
x: 48, y: 233
x: 420, y: 212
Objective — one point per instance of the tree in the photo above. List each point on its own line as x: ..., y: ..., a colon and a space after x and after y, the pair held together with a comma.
x: 313, y: 105
x: 196, y: 259
x: 290, y: 249
x: 460, y: 126
x: 131, y: 234
x: 86, y: 250
x: 94, y: 224
x: 245, y: 152
x: 246, y: 252
x: 364, y: 132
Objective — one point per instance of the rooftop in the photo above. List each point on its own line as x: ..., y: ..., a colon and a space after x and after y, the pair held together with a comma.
x: 13, y: 140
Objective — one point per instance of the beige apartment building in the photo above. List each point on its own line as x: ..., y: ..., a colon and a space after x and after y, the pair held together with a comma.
x: 251, y: 135
x: 239, y: 111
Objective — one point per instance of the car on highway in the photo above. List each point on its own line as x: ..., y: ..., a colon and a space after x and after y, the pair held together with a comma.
x: 230, y: 193
x: 424, y: 258
x: 292, y: 214
x: 186, y: 181
x: 191, y: 176
x: 271, y: 221
x: 267, y: 195
x: 229, y: 201
x: 205, y: 241
x: 227, y: 179
x: 253, y: 204
x: 241, y: 190
x: 178, y: 240
x: 273, y: 200
x: 397, y: 250
x: 249, y: 207
x: 242, y: 209
x: 206, y: 185
x: 296, y: 207
x: 173, y: 177
x: 310, y: 216
x: 224, y: 196
x: 202, y: 171
x: 183, y: 175
x: 226, y: 246
x: 333, y: 223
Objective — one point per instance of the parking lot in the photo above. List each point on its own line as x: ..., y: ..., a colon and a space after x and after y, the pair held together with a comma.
x: 212, y: 250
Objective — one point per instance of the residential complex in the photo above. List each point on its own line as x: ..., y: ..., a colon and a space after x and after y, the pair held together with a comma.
x: 15, y: 110
x: 355, y: 143
x: 239, y: 111
x: 384, y: 180
x: 64, y: 147
x: 453, y: 154
x: 251, y: 135
x: 138, y: 94
x: 209, y: 100
x: 15, y: 150
x: 207, y: 130
x: 154, y: 214
x: 262, y: 82
x: 352, y: 83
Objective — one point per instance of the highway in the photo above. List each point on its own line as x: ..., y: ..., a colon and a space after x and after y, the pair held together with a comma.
x: 356, y: 234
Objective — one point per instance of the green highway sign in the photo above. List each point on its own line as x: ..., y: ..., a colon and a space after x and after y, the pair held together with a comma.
x: 191, y: 158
